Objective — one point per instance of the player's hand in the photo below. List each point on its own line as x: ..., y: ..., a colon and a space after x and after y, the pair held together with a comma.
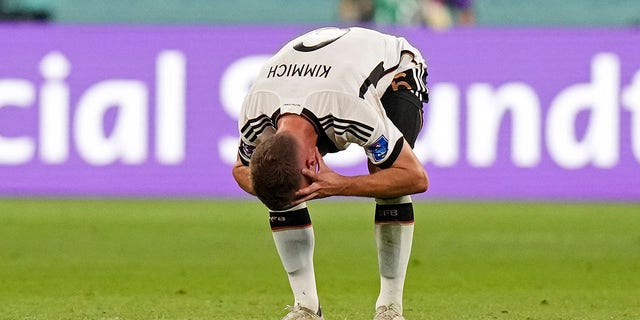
x: 324, y: 182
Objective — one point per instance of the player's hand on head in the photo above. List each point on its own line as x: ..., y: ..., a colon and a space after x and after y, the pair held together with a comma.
x: 324, y: 182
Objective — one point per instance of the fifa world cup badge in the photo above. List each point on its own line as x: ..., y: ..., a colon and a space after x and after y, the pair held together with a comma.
x: 378, y: 150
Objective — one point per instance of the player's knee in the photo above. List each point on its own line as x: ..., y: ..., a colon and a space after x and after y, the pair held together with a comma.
x: 397, y: 210
x: 291, y: 219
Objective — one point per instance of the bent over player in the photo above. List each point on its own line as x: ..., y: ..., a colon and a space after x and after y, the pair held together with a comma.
x: 321, y: 92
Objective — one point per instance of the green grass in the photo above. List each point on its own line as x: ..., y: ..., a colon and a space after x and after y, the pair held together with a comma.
x: 200, y: 259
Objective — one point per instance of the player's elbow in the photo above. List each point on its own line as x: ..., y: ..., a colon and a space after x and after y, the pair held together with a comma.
x: 414, y: 180
x: 420, y: 180
x: 421, y: 183
x: 242, y: 176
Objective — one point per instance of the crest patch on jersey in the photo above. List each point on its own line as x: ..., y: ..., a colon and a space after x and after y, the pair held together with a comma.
x: 378, y: 150
x: 246, y: 150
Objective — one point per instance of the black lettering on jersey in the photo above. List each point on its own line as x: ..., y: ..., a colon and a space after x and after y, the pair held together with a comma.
x: 302, y: 70
x: 325, y: 71
x: 276, y: 70
x: 309, y: 71
x: 295, y: 71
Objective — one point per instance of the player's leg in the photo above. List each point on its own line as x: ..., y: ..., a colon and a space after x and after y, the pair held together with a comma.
x: 293, y: 235
x: 394, y: 218
x: 394, y: 237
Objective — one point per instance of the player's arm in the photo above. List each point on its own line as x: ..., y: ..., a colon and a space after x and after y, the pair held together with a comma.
x: 405, y: 176
x: 242, y: 174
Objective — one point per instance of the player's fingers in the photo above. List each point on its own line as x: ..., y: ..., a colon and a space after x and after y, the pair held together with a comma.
x: 309, y: 174
x: 303, y: 199
x: 302, y: 192
x: 306, y: 194
x: 312, y: 188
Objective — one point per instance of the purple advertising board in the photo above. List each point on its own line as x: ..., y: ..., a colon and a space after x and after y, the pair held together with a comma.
x: 151, y: 111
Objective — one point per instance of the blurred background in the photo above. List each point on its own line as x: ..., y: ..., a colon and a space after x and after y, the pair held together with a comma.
x: 530, y: 100
x: 118, y: 132
x: 435, y: 13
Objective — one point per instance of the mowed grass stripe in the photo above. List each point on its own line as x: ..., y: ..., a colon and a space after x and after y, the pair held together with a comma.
x: 210, y: 259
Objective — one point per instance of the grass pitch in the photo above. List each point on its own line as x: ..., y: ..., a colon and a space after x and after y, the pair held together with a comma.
x: 201, y: 259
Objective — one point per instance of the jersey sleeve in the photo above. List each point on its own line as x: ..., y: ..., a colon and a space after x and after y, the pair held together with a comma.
x: 400, y: 56
x: 252, y: 124
x: 245, y: 150
x: 385, y: 144
x: 251, y: 130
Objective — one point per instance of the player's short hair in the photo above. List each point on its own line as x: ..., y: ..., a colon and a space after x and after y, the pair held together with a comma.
x: 275, y: 171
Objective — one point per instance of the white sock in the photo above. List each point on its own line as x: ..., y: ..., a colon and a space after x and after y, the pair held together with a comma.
x: 393, y: 241
x: 295, y: 247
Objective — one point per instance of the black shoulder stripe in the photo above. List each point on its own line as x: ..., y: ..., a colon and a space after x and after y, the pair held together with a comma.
x: 255, y: 127
x: 255, y: 122
x: 329, y: 120
x: 375, y: 75
x: 258, y: 131
x: 372, y: 79
x: 338, y: 125
x: 361, y: 134
x: 354, y: 123
x: 358, y: 129
x: 325, y: 145
x: 354, y: 133
x: 251, y: 122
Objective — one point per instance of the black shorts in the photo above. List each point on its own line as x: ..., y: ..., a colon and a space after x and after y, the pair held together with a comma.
x: 403, y: 104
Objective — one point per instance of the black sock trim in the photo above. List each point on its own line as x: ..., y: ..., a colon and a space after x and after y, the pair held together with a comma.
x: 296, y: 219
x: 394, y: 213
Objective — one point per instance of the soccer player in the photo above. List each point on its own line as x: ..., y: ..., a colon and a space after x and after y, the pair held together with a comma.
x: 321, y: 92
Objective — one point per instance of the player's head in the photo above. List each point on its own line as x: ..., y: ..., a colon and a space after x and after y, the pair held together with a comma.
x: 276, y: 171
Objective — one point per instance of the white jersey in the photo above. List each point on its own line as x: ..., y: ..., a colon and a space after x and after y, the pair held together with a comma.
x: 335, y: 78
